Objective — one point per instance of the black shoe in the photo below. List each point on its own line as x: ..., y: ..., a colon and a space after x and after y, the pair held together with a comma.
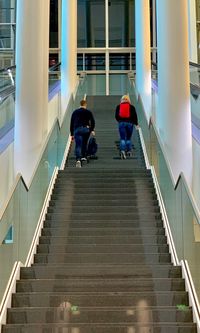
x: 129, y: 153
x: 84, y: 160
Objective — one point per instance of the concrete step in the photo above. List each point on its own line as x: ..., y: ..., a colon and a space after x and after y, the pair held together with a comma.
x: 102, y: 285
x: 141, y: 216
x: 117, y: 186
x: 62, y: 271
x: 175, y: 327
x: 53, y: 249
x: 107, y: 208
x: 125, y: 239
x: 115, y: 173
x: 143, y: 197
x: 94, y: 315
x: 109, y: 258
x: 99, y: 299
x: 93, y: 202
x: 53, y: 231
x: 103, y: 224
x: 98, y: 190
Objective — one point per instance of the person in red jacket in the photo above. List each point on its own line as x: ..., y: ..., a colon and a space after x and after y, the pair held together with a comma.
x: 126, y: 116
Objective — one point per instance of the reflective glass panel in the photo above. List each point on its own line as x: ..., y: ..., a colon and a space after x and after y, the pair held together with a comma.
x: 96, y: 84
x: 53, y: 38
x: 121, y: 23
x: 79, y: 62
x: 119, y: 61
x: 91, y: 23
x: 94, y: 62
x: 118, y: 84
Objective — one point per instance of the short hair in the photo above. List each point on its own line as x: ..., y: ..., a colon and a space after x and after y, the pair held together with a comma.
x: 125, y: 98
x: 83, y: 102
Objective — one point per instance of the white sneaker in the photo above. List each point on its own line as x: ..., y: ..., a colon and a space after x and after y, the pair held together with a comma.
x: 123, y: 155
x: 78, y: 164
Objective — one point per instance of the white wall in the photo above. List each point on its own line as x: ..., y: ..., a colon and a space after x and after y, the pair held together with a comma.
x: 6, y: 172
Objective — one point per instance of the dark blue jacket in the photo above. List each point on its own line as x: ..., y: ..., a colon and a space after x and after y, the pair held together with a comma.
x: 82, y: 118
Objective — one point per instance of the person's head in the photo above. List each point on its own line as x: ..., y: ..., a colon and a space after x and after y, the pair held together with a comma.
x: 83, y: 103
x: 125, y: 99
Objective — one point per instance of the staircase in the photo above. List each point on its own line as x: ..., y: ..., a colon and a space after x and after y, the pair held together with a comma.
x: 102, y: 263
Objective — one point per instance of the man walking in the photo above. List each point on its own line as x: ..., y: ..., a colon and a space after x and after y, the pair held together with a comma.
x: 82, y: 125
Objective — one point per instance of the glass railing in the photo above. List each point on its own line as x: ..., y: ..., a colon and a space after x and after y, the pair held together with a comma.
x: 23, y: 210
x: 118, y: 84
x: 181, y: 210
x: 195, y: 73
x: 7, y: 94
x: 7, y: 111
x: 96, y: 84
x: 7, y: 77
x: 7, y: 99
x: 54, y: 76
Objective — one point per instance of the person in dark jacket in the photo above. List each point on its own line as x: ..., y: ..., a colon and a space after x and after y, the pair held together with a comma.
x: 126, y: 116
x: 81, y: 126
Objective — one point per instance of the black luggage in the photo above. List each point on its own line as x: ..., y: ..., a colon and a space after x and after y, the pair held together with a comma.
x: 92, y: 147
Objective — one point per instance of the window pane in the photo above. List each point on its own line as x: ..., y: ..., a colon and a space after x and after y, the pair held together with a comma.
x: 94, y: 62
x: 96, y: 84
x: 91, y: 23
x: 118, y: 84
x: 121, y: 23
x: 80, y: 62
x: 119, y: 61
x: 53, y: 24
x: 5, y: 11
x: 5, y: 36
x: 7, y: 16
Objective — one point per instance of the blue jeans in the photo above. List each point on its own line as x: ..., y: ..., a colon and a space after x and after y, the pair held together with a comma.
x: 81, y: 136
x: 125, y: 132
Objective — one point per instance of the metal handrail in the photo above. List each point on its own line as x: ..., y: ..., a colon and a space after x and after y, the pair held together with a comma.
x: 194, y: 64
x: 52, y: 68
x: 5, y: 69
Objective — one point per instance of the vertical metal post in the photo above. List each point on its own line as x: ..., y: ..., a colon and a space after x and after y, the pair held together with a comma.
x: 83, y: 61
x: 130, y: 61
x: 107, y: 73
x: 107, y: 46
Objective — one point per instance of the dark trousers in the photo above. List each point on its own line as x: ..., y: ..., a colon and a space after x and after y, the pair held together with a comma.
x: 81, y: 136
x: 125, y: 132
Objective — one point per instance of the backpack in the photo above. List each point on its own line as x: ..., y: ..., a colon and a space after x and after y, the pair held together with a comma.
x: 124, y: 110
x: 92, y: 147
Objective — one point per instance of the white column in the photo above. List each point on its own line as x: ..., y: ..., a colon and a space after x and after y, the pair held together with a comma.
x: 192, y: 25
x: 174, y: 116
x: 68, y: 52
x: 46, y: 11
x: 31, y: 84
x: 143, y: 55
